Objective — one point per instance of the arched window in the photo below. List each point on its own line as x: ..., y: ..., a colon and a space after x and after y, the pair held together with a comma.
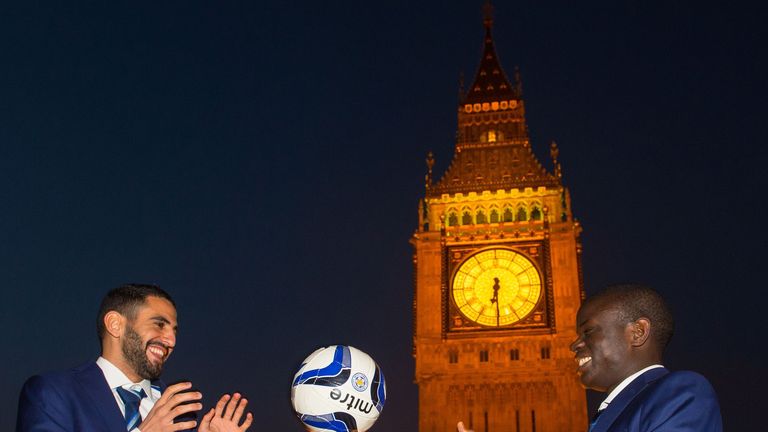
x: 453, y: 219
x: 494, y: 216
x: 492, y: 136
x: 521, y: 214
x: 480, y: 217
x: 545, y: 352
x: 466, y: 218
x: 536, y: 213
x: 508, y: 215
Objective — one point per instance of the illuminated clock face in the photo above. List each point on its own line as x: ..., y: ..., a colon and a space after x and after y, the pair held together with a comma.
x: 496, y: 287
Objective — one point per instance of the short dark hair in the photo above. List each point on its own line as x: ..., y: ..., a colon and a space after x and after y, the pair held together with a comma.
x: 640, y: 301
x: 126, y: 300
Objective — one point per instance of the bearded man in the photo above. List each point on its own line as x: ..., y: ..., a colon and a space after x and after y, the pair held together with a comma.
x: 121, y: 390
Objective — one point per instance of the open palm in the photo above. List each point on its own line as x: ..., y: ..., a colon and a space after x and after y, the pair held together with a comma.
x: 227, y: 415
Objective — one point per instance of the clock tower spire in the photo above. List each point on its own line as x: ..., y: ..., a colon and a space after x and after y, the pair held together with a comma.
x: 497, y: 273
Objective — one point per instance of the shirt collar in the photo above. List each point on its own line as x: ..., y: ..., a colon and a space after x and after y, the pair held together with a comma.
x: 624, y: 384
x: 116, y: 378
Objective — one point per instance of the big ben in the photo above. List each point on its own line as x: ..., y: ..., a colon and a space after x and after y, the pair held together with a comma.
x: 497, y: 274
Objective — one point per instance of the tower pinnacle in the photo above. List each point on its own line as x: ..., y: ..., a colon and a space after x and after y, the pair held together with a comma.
x: 488, y: 15
x: 490, y: 83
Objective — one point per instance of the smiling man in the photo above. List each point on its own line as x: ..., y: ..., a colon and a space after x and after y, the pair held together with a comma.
x: 622, y: 333
x: 121, y: 390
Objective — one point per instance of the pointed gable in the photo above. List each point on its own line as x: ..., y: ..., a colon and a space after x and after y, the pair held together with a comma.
x: 493, y: 150
x: 490, y: 83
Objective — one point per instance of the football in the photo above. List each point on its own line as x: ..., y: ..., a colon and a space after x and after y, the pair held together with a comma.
x: 338, y: 388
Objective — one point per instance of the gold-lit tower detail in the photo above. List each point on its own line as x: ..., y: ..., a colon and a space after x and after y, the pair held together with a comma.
x: 497, y: 274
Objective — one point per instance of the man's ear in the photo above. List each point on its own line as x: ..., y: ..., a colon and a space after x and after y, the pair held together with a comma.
x: 114, y: 323
x: 641, y: 331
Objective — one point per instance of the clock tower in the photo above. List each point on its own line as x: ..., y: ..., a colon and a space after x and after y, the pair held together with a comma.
x: 497, y: 275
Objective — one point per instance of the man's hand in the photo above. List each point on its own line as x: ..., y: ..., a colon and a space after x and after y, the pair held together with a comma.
x: 173, y: 403
x: 460, y: 428
x: 226, y: 416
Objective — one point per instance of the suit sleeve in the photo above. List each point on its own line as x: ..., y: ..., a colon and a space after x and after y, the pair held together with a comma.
x: 685, y: 402
x: 42, y: 408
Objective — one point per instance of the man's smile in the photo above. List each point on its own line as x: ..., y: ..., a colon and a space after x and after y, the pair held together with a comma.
x: 582, y: 362
x: 157, y: 352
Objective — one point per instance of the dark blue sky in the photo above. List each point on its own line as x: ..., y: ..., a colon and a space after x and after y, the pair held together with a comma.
x: 263, y: 163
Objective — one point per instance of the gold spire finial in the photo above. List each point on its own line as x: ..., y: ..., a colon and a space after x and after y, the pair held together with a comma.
x: 554, y: 152
x: 430, y: 164
x: 488, y: 14
x: 518, y: 82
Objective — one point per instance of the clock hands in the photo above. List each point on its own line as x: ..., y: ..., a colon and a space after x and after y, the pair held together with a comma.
x: 495, y: 298
x: 496, y: 287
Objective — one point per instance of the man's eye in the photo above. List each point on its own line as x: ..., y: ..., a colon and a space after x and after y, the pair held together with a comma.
x: 161, y: 324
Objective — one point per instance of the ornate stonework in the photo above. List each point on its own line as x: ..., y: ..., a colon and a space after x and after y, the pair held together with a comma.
x: 496, y: 196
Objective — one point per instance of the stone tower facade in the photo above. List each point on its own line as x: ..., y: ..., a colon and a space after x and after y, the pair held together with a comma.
x: 497, y: 275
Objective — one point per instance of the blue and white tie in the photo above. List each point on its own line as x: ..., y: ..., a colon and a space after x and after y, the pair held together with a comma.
x: 132, y: 398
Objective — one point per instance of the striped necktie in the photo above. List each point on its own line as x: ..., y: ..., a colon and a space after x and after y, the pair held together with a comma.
x: 132, y: 398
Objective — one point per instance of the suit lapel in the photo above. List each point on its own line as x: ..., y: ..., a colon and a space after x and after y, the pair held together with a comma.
x: 96, y: 392
x: 623, y: 399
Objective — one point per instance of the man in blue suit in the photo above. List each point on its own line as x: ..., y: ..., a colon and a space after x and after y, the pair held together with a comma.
x: 121, y: 390
x: 622, y: 333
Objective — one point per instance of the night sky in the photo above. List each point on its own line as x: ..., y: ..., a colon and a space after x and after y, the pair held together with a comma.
x: 263, y: 163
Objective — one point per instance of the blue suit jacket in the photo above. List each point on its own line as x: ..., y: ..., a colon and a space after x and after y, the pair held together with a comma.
x: 75, y: 400
x: 659, y: 400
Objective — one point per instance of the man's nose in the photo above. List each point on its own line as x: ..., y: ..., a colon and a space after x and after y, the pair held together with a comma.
x: 169, y: 337
x: 575, y: 345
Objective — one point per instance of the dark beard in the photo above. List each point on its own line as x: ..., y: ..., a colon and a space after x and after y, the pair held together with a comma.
x: 136, y: 355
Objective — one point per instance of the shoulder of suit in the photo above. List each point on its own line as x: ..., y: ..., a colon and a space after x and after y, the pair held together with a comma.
x: 684, y: 378
x: 684, y: 375
x: 58, y: 377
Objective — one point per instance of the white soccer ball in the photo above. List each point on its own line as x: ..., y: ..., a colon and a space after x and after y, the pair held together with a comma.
x: 338, y: 388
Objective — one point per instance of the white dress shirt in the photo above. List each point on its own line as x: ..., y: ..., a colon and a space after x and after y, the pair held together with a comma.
x: 116, y: 378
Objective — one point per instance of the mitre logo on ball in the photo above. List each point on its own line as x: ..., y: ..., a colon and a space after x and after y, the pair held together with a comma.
x: 338, y: 388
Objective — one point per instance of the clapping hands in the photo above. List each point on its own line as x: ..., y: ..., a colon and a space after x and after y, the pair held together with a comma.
x: 227, y: 415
